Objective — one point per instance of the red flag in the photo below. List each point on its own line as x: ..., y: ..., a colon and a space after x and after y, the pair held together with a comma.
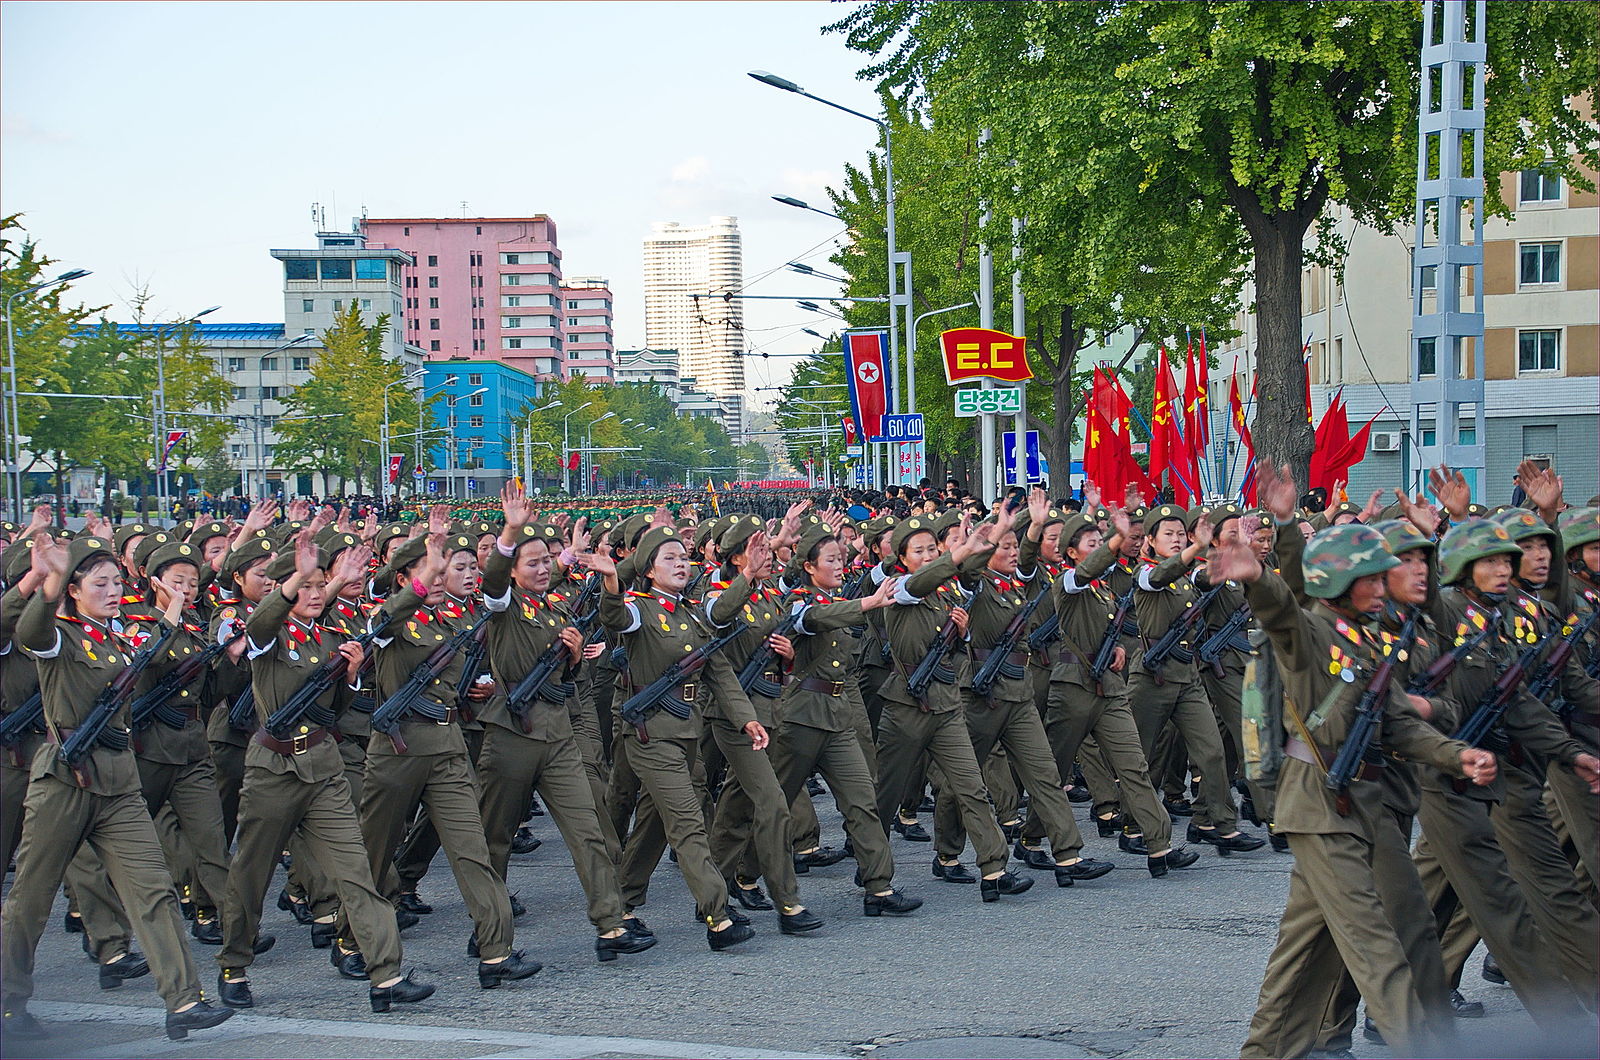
x: 1202, y: 414
x: 1332, y: 435
x: 572, y: 461
x: 396, y: 462
x: 1166, y: 446
x: 1191, y: 400
x: 850, y: 436
x: 866, y: 359
x: 1099, y: 449
x: 1236, y: 407
x: 1353, y: 451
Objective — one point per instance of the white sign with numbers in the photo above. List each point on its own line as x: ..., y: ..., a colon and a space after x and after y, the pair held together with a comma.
x: 1001, y: 401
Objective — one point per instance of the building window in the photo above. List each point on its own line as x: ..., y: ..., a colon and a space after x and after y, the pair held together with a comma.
x: 371, y: 269
x: 300, y: 364
x: 269, y: 393
x: 572, y: 305
x: 511, y: 301
x: 1538, y: 351
x: 414, y: 324
x: 335, y: 268
x: 235, y: 364
x: 433, y: 303
x: 408, y: 230
x: 511, y: 279
x: 1540, y: 263
x: 433, y: 261
x: 1430, y: 277
x: 433, y: 323
x: 1427, y: 357
x: 572, y: 322
x: 511, y: 322
x: 366, y: 303
x: 474, y: 421
x: 300, y: 269
x: 269, y: 364
x: 338, y: 305
x: 308, y: 305
x: 433, y: 282
x: 433, y: 346
x: 475, y: 379
x: 513, y: 344
x: 238, y: 393
x: 511, y: 259
x: 573, y: 355
x: 450, y: 400
x: 1540, y: 185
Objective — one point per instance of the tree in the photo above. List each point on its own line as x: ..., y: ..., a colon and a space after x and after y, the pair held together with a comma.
x: 216, y: 473
x: 1256, y: 116
x: 337, y: 414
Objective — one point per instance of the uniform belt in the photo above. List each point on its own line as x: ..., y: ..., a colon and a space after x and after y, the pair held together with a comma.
x: 826, y: 687
x: 686, y: 692
x: 297, y: 745
x: 1297, y: 748
x: 1016, y: 658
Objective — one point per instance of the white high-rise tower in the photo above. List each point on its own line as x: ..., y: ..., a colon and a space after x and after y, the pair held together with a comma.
x: 681, y: 262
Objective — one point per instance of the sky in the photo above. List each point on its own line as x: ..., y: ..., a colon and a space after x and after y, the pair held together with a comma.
x: 171, y: 146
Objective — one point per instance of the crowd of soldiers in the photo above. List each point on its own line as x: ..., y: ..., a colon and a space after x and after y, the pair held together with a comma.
x: 188, y: 708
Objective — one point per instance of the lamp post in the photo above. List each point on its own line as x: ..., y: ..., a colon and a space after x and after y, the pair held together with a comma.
x: 790, y: 200
x: 588, y: 443
x: 409, y: 377
x: 259, y: 448
x: 11, y: 411
x: 161, y: 406
x: 566, y: 449
x: 453, y: 452
x: 527, y: 448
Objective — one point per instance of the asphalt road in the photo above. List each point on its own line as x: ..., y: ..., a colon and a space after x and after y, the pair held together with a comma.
x: 1124, y: 966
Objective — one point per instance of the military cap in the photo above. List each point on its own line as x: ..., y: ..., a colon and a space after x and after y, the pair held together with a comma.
x: 337, y: 542
x: 17, y: 558
x: 1221, y: 513
x: 8, y: 528
x: 481, y: 527
x: 908, y: 528
x: 1401, y: 536
x: 387, y: 533
x: 248, y: 552
x: 281, y: 567
x: 408, y: 553
x: 1477, y: 509
x: 204, y: 532
x: 173, y: 552
x: 652, y: 542
x: 460, y: 543
x: 1345, y: 508
x: 548, y: 533
x: 1074, y: 524
x: 1194, y: 515
x: 1159, y: 514
x: 946, y: 522
x: 1472, y: 540
x: 1025, y: 520
x: 626, y: 533
x: 87, y: 550
x: 147, y: 547
x: 740, y: 529
x: 183, y: 529
x: 1337, y: 556
x: 129, y: 530
x: 1579, y: 527
x: 1136, y: 514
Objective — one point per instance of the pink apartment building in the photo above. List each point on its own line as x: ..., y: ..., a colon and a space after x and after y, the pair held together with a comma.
x: 586, y: 326
x: 482, y: 288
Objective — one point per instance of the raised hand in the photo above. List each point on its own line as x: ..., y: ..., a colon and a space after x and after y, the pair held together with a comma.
x: 514, y: 504
x: 351, y: 564
x: 38, y: 519
x: 306, y: 555
x: 438, y: 520
x: 580, y: 534
x: 833, y: 520
x: 883, y: 597
x: 1038, y: 509
x: 1370, y: 510
x: 1091, y: 497
x: 1131, y: 498
x: 1203, y: 534
x: 1422, y: 515
x: 1542, y: 486
x: 661, y: 517
x: 1121, y: 525
x: 298, y: 510
x: 1276, y: 490
x: 49, y: 556
x: 325, y: 516
x: 1451, y: 487
x: 599, y: 562
x: 261, y: 516
x: 1234, y: 561
x: 1333, y: 498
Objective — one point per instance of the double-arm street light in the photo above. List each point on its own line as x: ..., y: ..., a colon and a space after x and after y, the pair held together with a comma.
x: 8, y: 400
x: 566, y: 448
x: 588, y: 443
x: 409, y: 377
x: 527, y: 441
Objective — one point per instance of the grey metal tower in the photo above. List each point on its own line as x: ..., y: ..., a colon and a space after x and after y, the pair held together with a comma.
x: 1447, y: 342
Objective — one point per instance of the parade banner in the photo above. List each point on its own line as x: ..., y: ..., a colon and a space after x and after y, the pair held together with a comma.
x: 866, y: 359
x: 983, y: 353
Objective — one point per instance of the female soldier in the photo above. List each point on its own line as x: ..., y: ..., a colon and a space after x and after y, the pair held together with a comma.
x: 80, y: 652
x: 657, y: 628
x: 536, y: 748
x: 821, y: 705
x: 933, y: 724
x: 298, y: 785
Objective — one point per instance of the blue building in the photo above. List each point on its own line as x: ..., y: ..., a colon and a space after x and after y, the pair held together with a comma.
x: 478, y: 407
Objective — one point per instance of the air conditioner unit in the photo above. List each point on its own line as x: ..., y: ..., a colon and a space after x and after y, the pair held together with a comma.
x: 1385, y: 441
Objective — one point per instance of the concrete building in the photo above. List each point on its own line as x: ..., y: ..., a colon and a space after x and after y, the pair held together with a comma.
x: 685, y: 268
x: 660, y: 368
x: 481, y: 287
x: 472, y: 456
x: 586, y: 315
x: 1541, y: 348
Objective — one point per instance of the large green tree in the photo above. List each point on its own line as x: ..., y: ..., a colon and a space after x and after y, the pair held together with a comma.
x: 1232, y: 121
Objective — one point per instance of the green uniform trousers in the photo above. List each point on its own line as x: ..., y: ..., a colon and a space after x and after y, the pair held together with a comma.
x: 1466, y: 872
x: 757, y: 799
x: 596, y: 770
x: 664, y: 770
x: 1406, y: 906
x: 91, y: 896
x: 190, y: 793
x: 1574, y: 812
x: 1099, y: 776
x: 732, y: 835
x: 800, y: 750
x: 181, y: 859
x: 273, y: 805
x: 229, y: 760
x: 307, y: 881
x: 905, y: 734
x: 1075, y: 715
x: 58, y: 819
x: 1335, y: 921
x: 1016, y: 728
x: 421, y: 842
x: 1185, y: 705
x: 510, y: 769
x: 442, y: 783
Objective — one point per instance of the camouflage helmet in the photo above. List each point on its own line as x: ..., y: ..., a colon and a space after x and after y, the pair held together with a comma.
x: 1579, y: 527
x: 1401, y: 536
x: 1472, y: 540
x: 1521, y: 524
x: 1339, y: 555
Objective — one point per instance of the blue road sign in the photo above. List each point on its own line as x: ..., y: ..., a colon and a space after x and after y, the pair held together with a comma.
x: 902, y: 428
x: 1008, y: 447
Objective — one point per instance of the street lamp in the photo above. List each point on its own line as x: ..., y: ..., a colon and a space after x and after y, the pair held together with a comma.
x: 588, y: 443
x: 14, y: 434
x: 527, y: 438
x: 790, y: 200
x: 806, y: 270
x: 453, y: 451
x: 566, y: 449
x: 260, y: 454
x: 161, y: 404
x: 409, y: 377
x: 813, y: 307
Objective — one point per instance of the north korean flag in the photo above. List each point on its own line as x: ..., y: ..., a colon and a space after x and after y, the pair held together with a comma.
x: 866, y: 358
x: 849, y: 425
x: 396, y: 463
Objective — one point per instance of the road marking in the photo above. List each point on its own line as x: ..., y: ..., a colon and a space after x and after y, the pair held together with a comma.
x: 517, y: 1045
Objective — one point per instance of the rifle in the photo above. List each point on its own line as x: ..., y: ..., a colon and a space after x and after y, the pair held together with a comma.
x: 281, y: 722
x: 1358, y: 744
x: 24, y: 721
x: 1544, y: 683
x: 93, y: 730
x: 753, y: 676
x: 1227, y: 636
x: 1108, y: 642
x: 1046, y: 634
x: 932, y: 664
x: 520, y: 701
x: 388, y: 715
x: 996, y: 665
x: 655, y: 693
x: 693, y: 584
x: 242, y: 714
x: 1428, y: 681
x: 1168, y: 645
x: 473, y: 663
x: 153, y: 704
x: 1485, y: 718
